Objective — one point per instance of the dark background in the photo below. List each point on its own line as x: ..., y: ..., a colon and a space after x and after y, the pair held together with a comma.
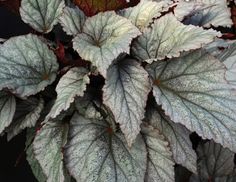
x: 13, y: 164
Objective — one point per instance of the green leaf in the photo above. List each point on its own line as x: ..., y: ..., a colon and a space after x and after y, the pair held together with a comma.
x: 160, y: 166
x: 47, y: 146
x: 72, y: 20
x: 41, y: 15
x: 26, y: 116
x: 30, y: 156
x: 125, y: 93
x: 7, y: 110
x: 27, y: 65
x: 193, y: 91
x: 210, y: 13
x: 95, y: 152
x: 168, y: 37
x: 142, y: 14
x: 214, y: 161
x: 178, y: 137
x: 72, y: 84
x: 105, y: 36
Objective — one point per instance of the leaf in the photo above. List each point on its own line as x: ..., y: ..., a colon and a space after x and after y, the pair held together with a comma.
x: 86, y: 106
x: 95, y: 152
x: 142, y: 14
x: 7, y: 110
x: 217, y: 47
x: 2, y: 41
x: 47, y: 146
x: 26, y: 116
x: 111, y: 37
x: 72, y: 84
x: 160, y: 166
x: 192, y: 90
x: 34, y: 164
x: 184, y: 9
x: 27, y: 65
x: 41, y: 15
x: 125, y: 93
x: 92, y: 7
x: 229, y: 178
x: 214, y: 13
x: 178, y: 137
x: 214, y: 161
x: 168, y: 37
x: 72, y: 20
x: 228, y: 57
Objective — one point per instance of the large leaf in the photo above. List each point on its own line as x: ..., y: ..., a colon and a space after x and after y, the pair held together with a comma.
x: 72, y: 20
x: 104, y: 37
x: 30, y: 156
x: 91, y: 7
x: 41, y: 15
x: 178, y: 137
x: 214, y: 161
x: 193, y: 91
x: 27, y: 65
x: 228, y: 57
x: 72, y: 84
x: 95, y: 152
x: 125, y: 93
x: 168, y: 37
x: 212, y: 12
x: 160, y: 166
x: 142, y: 14
x: 26, y: 116
x: 7, y: 109
x: 47, y: 147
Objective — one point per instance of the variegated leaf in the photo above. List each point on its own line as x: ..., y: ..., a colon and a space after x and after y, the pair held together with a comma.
x: 26, y: 116
x: 72, y: 20
x: 125, y: 93
x: 41, y: 15
x: 27, y: 65
x: 72, y: 84
x: 193, y: 91
x: 95, y: 152
x: 168, y: 37
x: 178, y: 137
x: 160, y: 165
x: 47, y: 147
x: 105, y: 36
x: 7, y: 110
